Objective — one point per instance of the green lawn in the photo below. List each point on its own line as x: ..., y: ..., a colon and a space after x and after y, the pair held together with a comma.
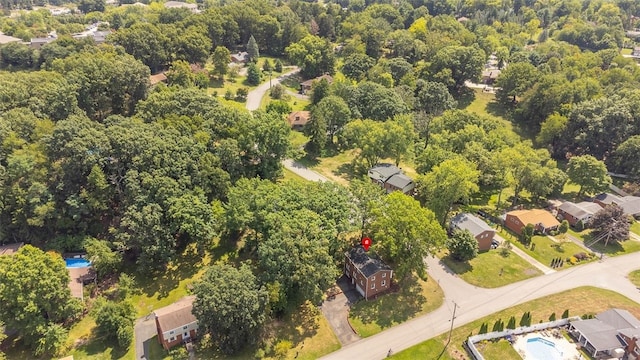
x: 415, y: 297
x: 635, y: 227
x: 293, y: 101
x: 541, y: 309
x: 613, y: 249
x: 484, y: 104
x: 634, y: 277
x: 288, y: 175
x: 500, y: 349
x: 626, y: 51
x: 546, y: 249
x: 485, y: 269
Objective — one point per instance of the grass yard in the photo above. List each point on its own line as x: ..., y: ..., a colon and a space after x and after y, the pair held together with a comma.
x: 613, y: 249
x: 485, y: 270
x: 296, y: 103
x: 337, y: 168
x: 546, y: 249
x: 626, y: 51
x: 308, y: 331
x: 635, y: 227
x: 288, y: 175
x: 541, y: 309
x: 500, y: 349
x: 415, y: 297
x: 634, y: 277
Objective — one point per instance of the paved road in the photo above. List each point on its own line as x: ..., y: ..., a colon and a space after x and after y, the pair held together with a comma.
x: 144, y: 329
x: 255, y: 96
x: 474, y: 303
x: 303, y: 171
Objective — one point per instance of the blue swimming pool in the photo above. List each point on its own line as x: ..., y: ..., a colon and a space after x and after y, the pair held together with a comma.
x: 543, y: 349
x: 77, y: 263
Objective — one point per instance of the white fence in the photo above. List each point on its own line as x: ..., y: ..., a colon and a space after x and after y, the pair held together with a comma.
x: 517, y: 331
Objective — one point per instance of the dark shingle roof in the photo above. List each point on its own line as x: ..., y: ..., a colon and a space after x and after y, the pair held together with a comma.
x: 399, y: 180
x: 383, y: 172
x: 580, y: 210
x: 465, y: 221
x: 366, y: 264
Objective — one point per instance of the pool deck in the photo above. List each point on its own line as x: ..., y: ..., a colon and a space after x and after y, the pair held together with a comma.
x: 77, y: 278
x: 568, y: 349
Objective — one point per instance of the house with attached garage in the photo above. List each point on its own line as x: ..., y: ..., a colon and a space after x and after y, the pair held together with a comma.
x: 391, y: 178
x: 611, y: 334
x: 542, y: 220
x: 574, y: 213
x: 629, y: 204
x: 175, y: 323
x: 479, y: 229
x: 370, y: 276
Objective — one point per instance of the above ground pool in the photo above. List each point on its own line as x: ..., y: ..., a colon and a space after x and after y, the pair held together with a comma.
x: 77, y: 263
x: 543, y: 349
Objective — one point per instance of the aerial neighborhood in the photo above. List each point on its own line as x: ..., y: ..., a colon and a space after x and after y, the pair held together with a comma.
x: 342, y: 179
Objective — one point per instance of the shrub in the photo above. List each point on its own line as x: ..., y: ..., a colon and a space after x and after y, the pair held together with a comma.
x: 552, y: 317
x: 278, y: 66
x: 282, y: 348
x: 228, y: 95
x: 579, y: 226
x: 277, y: 91
x: 241, y: 94
x: 512, y: 323
x: 565, y: 314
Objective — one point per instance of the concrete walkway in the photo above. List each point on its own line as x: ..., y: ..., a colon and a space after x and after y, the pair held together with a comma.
x: 545, y: 269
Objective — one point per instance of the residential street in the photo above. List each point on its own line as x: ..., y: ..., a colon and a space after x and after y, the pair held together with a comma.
x: 255, y: 96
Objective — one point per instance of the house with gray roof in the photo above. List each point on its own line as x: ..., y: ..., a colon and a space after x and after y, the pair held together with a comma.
x: 574, y: 213
x: 370, y: 275
x: 629, y: 204
x: 477, y: 227
x: 391, y: 178
x: 612, y: 333
x: 175, y: 323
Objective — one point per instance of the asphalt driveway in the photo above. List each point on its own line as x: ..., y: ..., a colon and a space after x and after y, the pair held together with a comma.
x: 144, y: 330
x: 336, y: 311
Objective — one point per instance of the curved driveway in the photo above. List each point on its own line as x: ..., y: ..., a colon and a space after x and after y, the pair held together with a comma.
x: 254, y: 97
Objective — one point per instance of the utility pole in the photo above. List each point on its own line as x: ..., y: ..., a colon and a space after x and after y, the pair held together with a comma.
x: 453, y: 317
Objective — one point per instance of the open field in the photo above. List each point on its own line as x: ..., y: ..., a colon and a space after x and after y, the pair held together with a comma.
x: 415, y: 298
x: 541, y: 309
x: 490, y: 269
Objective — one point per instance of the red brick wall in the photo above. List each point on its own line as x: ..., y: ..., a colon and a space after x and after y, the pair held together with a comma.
x: 376, y: 280
x: 484, y: 243
x: 513, y: 224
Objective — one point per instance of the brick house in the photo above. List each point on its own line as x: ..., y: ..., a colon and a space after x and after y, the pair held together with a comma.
x: 391, y: 178
x: 542, y: 220
x: 175, y: 323
x: 479, y: 229
x: 582, y: 211
x: 629, y: 204
x: 369, y: 275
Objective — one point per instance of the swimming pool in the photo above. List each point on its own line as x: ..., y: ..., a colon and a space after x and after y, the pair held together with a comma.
x: 77, y: 263
x: 543, y: 349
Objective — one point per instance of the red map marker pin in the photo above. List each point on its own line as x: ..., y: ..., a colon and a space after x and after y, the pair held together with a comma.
x: 366, y: 243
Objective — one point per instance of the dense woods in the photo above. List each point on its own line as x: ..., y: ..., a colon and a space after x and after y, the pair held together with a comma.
x: 93, y: 158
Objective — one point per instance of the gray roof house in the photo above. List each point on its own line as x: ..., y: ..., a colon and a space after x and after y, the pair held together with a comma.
x: 582, y: 211
x: 630, y: 204
x: 610, y: 333
x: 476, y: 226
x: 391, y: 178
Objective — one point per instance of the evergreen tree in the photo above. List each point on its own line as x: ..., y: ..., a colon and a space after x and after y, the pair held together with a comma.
x: 278, y: 66
x: 512, y: 323
x: 253, y: 74
x: 252, y: 50
x: 565, y: 314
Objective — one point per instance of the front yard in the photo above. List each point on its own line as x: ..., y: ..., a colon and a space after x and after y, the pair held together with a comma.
x: 540, y: 309
x: 490, y: 269
x: 415, y: 298
x: 546, y: 250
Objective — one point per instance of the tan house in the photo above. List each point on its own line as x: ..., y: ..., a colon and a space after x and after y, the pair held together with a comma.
x: 10, y: 249
x: 542, y: 220
x: 479, y: 229
x: 175, y: 323
x: 306, y: 86
x: 298, y: 119
x: 370, y: 276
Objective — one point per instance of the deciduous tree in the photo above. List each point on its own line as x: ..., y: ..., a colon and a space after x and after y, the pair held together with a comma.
x: 588, y: 172
x: 610, y: 224
x: 403, y: 233
x: 462, y: 246
x: 220, y: 59
x: 453, y: 180
x: 230, y: 306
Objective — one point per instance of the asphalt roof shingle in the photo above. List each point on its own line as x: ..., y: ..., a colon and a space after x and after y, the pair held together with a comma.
x: 366, y: 264
x: 466, y: 221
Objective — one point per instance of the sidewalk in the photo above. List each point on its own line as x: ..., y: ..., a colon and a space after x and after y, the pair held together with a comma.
x: 546, y: 270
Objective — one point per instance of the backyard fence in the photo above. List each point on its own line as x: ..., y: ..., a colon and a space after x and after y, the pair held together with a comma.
x: 517, y: 331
